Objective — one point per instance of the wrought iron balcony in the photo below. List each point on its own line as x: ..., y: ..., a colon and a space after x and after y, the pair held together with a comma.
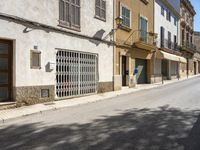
x: 189, y: 46
x: 143, y: 37
x: 169, y: 44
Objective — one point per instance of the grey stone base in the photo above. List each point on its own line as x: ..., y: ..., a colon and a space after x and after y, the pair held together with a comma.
x: 130, y: 82
x: 174, y: 77
x: 105, y: 87
x: 29, y: 95
x: 156, y: 79
x: 117, y: 82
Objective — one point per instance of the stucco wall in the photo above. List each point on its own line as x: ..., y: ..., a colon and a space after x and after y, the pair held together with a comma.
x: 46, y: 11
x: 161, y: 20
x: 197, y: 41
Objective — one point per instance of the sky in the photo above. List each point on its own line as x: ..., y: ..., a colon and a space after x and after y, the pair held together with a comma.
x: 196, y: 4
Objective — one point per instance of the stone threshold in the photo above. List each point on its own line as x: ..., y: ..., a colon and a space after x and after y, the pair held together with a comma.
x: 7, y: 105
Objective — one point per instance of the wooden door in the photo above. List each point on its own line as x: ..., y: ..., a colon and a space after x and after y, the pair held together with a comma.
x: 5, y: 70
x: 123, y: 70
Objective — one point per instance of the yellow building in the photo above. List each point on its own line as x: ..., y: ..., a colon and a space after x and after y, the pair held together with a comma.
x: 135, y: 43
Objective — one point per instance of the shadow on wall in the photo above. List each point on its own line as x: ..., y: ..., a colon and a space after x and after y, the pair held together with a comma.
x: 145, y: 129
x: 98, y: 35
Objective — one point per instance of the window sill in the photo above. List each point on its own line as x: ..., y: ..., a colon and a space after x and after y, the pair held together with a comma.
x: 102, y: 19
x: 128, y: 29
x: 34, y: 67
x: 78, y: 29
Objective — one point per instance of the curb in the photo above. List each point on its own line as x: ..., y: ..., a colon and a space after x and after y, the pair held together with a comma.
x: 7, y: 115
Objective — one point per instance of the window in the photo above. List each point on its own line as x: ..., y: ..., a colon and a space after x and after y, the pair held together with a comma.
x: 162, y: 36
x: 100, y: 9
x: 35, y: 59
x: 183, y: 37
x: 126, y: 15
x: 168, y: 15
x: 187, y: 37
x: 169, y: 39
x: 143, y: 28
x: 162, y: 11
x: 175, y: 42
x: 175, y: 39
x: 191, y: 39
x: 69, y: 13
x: 175, y: 21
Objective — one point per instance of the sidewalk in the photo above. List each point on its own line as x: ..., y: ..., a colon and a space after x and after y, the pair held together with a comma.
x: 9, y: 114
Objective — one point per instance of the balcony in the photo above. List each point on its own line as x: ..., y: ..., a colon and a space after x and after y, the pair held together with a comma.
x: 142, y: 39
x: 169, y: 45
x: 188, y: 46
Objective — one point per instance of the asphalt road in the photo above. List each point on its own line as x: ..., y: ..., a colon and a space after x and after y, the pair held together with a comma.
x: 164, y: 118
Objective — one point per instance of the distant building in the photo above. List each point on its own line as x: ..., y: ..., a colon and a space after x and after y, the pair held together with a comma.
x: 167, y: 25
x: 197, y: 54
x: 187, y: 30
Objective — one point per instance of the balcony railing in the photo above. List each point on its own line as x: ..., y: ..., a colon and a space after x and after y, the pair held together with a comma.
x: 189, y: 46
x: 143, y: 37
x: 170, y: 45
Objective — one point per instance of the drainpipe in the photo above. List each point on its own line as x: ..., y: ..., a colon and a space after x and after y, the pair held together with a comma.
x: 114, y: 54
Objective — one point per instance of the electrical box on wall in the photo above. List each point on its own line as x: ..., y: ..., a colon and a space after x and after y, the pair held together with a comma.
x: 50, y: 66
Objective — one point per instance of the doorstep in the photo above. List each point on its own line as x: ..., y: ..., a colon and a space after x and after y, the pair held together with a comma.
x: 7, y: 105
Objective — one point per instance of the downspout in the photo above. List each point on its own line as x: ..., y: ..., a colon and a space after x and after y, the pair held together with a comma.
x: 154, y: 59
x: 114, y: 52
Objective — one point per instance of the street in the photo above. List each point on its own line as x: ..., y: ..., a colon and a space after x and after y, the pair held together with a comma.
x: 164, y: 118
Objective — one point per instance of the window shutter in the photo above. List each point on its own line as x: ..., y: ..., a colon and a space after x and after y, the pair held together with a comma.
x: 169, y: 40
x: 69, y: 13
x: 100, y: 9
x: 103, y: 10
x: 61, y: 10
x: 162, y: 36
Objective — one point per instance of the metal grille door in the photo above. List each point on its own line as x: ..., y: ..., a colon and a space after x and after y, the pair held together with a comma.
x: 76, y: 73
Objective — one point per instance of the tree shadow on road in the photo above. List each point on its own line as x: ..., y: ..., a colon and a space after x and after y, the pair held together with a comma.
x: 135, y: 129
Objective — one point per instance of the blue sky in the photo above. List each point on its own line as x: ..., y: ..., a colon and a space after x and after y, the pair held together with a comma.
x: 196, y: 4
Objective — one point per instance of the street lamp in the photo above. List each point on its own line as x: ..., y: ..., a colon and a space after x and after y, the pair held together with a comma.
x: 119, y: 21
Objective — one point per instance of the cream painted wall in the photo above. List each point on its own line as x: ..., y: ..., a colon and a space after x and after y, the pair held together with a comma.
x: 46, y: 11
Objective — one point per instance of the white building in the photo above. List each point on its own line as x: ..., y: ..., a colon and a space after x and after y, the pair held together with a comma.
x: 167, y: 26
x: 54, y: 49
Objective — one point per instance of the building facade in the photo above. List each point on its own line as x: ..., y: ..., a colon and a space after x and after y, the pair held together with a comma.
x: 197, y: 53
x: 167, y: 26
x: 186, y: 31
x: 135, y: 47
x: 55, y: 49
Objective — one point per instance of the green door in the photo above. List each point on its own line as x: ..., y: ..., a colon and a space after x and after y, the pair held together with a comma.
x: 141, y: 76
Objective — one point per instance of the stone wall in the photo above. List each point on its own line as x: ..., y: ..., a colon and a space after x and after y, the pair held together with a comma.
x: 33, y: 94
x: 105, y: 87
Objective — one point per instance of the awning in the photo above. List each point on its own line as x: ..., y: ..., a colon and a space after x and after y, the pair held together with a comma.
x: 165, y: 55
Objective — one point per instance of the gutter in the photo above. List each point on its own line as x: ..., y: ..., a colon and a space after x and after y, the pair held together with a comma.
x: 47, y: 28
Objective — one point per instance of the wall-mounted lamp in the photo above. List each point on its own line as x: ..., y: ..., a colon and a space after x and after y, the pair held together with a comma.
x: 119, y: 21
